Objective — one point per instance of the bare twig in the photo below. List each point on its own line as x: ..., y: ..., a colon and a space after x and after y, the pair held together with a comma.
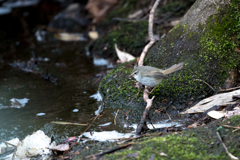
x: 152, y: 125
x: 205, y: 83
x: 127, y: 114
x: 9, y: 143
x: 230, y: 89
x: 125, y: 124
x: 227, y: 126
x: 116, y: 117
x: 87, y: 127
x: 236, y: 128
x: 150, y: 34
x: 169, y: 116
x: 226, y: 149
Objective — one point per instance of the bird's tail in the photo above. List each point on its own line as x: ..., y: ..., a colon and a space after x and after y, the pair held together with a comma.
x: 173, y: 68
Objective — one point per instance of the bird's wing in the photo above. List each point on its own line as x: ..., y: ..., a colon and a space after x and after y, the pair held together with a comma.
x: 154, y: 74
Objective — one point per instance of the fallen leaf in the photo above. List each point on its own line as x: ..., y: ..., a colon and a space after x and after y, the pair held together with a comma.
x: 215, y: 114
x: 93, y: 35
x: 222, y: 99
x: 69, y: 37
x: 162, y: 154
x: 123, y: 56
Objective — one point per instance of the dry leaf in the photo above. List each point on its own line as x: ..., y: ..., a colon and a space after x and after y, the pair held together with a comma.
x: 162, y: 154
x: 222, y: 99
x: 123, y: 56
x: 215, y: 114
x: 69, y: 37
x: 93, y: 35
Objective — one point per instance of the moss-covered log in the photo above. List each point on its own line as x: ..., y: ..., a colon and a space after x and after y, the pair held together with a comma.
x: 207, y: 41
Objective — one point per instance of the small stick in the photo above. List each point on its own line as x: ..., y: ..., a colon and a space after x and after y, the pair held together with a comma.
x: 132, y: 138
x: 169, y: 116
x: 236, y: 128
x: 205, y: 83
x: 152, y: 124
x: 227, y: 126
x: 116, y: 117
x: 125, y: 124
x: 127, y: 116
x: 97, y: 156
x: 229, y: 154
x: 230, y: 89
x: 9, y: 143
x: 86, y: 128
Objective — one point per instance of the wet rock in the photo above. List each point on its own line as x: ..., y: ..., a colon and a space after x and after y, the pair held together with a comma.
x: 71, y: 19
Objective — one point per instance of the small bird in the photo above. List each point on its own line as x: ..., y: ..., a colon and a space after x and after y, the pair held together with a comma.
x: 151, y: 76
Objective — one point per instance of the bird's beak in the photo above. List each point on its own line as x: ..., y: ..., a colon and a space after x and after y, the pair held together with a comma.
x: 130, y: 76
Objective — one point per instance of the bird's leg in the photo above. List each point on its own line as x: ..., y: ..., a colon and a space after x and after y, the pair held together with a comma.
x: 153, y: 89
x: 140, y: 86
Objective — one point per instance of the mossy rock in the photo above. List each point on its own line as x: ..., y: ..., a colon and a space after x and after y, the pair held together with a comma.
x: 206, y: 40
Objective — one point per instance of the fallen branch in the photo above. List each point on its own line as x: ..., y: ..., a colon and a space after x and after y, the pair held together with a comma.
x: 97, y: 156
x: 226, y: 149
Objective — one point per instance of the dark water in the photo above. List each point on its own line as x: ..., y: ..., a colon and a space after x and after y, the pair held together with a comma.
x: 76, y: 76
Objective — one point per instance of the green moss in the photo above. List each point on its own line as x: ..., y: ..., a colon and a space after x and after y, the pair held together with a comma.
x: 220, y: 38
